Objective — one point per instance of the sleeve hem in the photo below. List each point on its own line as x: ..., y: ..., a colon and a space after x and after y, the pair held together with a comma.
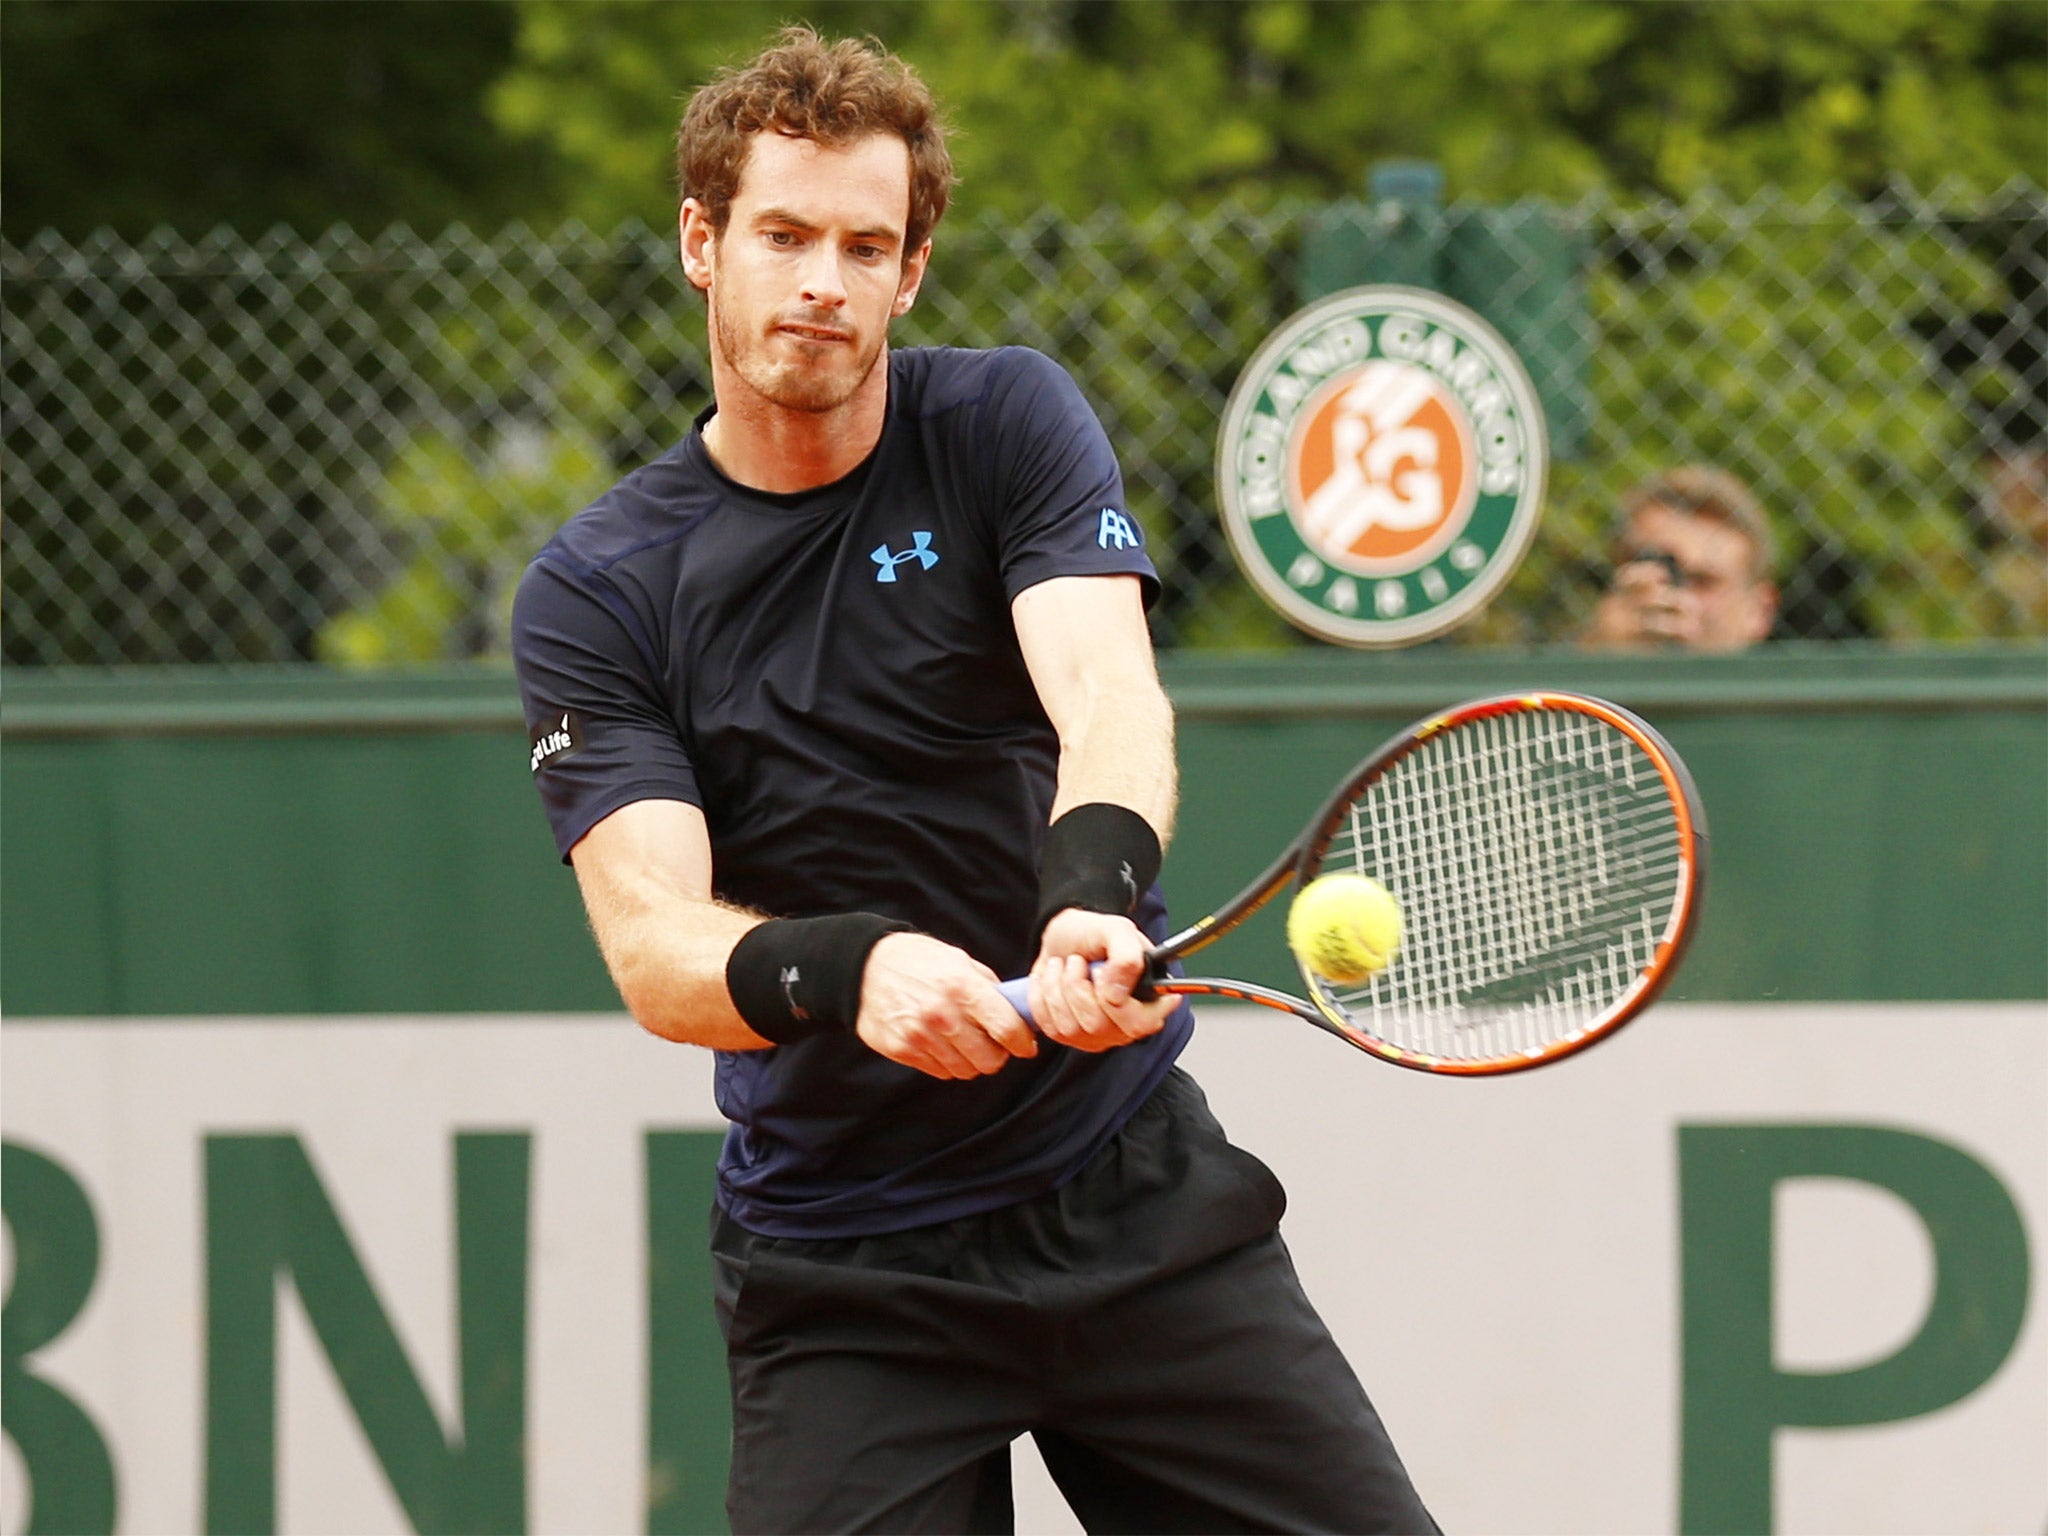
x: 616, y: 798
x: 1026, y: 574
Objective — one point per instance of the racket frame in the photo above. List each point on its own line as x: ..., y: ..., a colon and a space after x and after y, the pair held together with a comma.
x: 1300, y: 862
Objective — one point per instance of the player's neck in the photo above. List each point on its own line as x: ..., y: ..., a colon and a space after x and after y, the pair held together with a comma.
x: 770, y: 447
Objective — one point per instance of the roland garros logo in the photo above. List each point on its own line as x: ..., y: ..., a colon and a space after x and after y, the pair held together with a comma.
x: 1381, y: 466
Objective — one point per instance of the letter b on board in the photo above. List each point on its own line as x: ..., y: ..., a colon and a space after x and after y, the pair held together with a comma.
x: 56, y: 1259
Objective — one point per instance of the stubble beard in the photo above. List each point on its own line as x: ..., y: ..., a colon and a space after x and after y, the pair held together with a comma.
x: 793, y: 385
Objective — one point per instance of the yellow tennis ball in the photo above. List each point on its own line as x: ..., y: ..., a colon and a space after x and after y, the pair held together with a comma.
x: 1344, y: 927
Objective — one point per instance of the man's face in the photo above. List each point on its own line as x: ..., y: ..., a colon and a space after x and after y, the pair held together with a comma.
x: 2018, y: 486
x: 1726, y: 604
x: 810, y: 268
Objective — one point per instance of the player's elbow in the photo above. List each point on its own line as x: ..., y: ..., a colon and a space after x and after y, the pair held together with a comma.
x: 646, y: 985
x: 651, y: 1014
x: 684, y: 1009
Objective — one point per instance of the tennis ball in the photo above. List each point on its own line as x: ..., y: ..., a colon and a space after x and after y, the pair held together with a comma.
x: 1344, y: 927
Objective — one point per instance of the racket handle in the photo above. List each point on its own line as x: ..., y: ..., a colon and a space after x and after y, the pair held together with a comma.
x: 1018, y: 995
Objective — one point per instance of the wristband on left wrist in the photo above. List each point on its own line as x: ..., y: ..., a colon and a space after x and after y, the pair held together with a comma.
x: 1100, y: 857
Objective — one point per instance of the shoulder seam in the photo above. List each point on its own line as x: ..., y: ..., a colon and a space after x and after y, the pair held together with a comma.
x: 981, y: 394
x: 595, y: 567
x: 599, y: 585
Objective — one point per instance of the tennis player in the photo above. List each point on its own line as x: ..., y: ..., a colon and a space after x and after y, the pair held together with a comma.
x: 840, y: 710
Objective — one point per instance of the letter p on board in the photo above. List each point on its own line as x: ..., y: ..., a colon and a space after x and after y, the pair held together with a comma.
x: 1734, y: 1393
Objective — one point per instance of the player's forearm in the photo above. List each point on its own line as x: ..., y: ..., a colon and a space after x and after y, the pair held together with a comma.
x: 1119, y: 748
x: 667, y: 956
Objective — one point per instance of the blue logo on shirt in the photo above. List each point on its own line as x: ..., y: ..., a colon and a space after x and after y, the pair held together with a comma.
x: 1116, y: 531
x: 920, y: 550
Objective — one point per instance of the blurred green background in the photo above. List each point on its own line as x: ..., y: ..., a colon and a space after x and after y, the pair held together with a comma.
x: 322, y: 313
x: 252, y: 113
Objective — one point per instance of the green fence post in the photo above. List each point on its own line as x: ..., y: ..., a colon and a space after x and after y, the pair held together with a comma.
x: 1521, y: 268
x: 1396, y: 236
x: 1525, y: 271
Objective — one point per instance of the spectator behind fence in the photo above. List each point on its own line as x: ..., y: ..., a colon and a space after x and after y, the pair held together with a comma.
x: 1694, y: 567
x: 2014, y: 510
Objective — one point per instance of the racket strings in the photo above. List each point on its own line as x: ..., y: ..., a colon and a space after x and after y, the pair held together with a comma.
x: 1539, y: 866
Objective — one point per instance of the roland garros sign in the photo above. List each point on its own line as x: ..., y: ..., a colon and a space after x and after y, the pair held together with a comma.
x: 1381, y: 466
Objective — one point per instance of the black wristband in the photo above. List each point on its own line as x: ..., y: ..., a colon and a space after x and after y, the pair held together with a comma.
x: 1098, y: 857
x: 798, y: 976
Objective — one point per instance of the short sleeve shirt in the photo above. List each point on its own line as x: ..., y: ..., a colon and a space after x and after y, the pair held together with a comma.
x: 834, y: 678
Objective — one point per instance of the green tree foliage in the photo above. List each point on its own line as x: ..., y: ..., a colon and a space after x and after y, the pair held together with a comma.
x: 1094, y: 137
x: 541, y: 367
x: 251, y: 113
x: 474, y: 519
x: 198, y: 115
x: 1774, y: 348
x: 194, y: 113
x: 1778, y: 338
x: 1127, y: 106
x: 1128, y: 103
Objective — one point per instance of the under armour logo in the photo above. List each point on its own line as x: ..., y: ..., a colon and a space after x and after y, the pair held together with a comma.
x: 789, y: 977
x: 920, y: 550
x: 1116, y: 531
x: 1130, y: 879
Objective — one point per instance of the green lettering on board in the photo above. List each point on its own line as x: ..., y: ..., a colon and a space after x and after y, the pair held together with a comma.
x: 1735, y: 1396
x: 56, y: 1259
x: 269, y: 1218
x: 689, y: 1405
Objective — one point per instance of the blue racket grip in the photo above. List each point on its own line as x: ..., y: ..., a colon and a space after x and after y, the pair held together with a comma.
x: 1018, y: 994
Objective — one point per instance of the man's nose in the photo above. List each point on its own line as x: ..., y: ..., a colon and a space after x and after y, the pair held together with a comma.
x: 823, y: 284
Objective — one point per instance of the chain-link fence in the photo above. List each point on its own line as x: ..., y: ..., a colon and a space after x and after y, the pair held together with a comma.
x: 346, y: 447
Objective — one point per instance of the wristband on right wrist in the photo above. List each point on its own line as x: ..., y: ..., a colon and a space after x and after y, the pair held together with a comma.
x: 793, y: 977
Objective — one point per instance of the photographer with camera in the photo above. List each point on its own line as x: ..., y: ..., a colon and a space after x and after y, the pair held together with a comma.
x: 1693, y: 567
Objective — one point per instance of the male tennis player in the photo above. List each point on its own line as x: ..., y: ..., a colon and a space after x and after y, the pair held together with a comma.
x: 842, y: 709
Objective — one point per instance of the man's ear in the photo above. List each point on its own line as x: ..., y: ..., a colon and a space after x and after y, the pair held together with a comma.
x: 912, y: 280
x: 1764, y: 597
x: 697, y: 242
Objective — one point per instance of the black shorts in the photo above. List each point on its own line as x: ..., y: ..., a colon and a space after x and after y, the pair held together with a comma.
x: 1143, y: 1323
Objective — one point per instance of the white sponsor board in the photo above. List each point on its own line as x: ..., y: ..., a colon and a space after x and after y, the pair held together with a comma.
x: 1501, y: 1260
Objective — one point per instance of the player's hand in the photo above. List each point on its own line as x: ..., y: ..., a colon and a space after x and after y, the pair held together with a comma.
x: 1093, y: 1010
x: 1645, y: 609
x: 935, y: 1008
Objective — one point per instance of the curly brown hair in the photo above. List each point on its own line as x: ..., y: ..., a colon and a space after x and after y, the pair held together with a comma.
x: 833, y: 93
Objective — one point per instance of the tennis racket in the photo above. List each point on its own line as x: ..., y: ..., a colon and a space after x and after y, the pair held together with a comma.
x: 1548, y: 851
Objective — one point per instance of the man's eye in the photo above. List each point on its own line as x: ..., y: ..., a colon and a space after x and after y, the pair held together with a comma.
x: 781, y: 237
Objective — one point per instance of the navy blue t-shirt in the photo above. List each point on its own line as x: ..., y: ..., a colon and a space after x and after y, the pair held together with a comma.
x: 834, y: 678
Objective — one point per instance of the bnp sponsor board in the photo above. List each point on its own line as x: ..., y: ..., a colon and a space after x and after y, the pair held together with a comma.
x: 1381, y: 466
x: 1742, y: 1268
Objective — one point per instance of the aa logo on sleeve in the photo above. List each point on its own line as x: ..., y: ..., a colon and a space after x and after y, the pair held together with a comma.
x: 1381, y: 466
